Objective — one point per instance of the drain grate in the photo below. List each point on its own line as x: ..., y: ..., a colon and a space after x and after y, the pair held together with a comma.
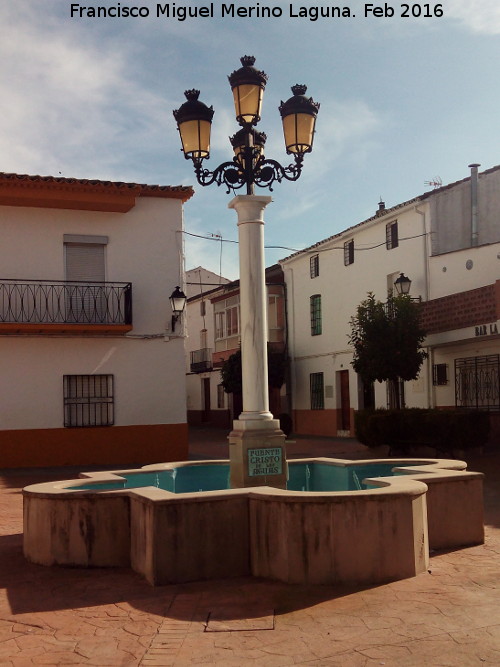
x: 239, y: 619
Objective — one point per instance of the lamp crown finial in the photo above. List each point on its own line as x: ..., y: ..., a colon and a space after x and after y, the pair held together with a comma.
x: 247, y: 61
x: 192, y: 95
x: 299, y: 89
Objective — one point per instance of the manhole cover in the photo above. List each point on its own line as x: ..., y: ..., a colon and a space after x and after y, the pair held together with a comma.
x: 239, y: 619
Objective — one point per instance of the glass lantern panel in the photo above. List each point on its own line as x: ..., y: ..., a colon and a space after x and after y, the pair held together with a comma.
x: 298, y: 129
x: 195, y: 137
x: 247, y: 102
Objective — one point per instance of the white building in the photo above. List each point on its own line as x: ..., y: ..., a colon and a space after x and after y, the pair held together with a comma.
x: 213, y: 317
x: 448, y: 242
x: 91, y: 373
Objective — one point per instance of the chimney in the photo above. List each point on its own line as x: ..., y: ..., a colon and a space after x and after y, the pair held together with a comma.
x: 473, y: 198
x: 381, y: 208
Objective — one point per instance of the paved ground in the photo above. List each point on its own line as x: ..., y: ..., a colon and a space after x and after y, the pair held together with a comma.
x: 63, y: 616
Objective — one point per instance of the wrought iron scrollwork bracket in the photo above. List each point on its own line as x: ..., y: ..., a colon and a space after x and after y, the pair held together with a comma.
x: 261, y: 172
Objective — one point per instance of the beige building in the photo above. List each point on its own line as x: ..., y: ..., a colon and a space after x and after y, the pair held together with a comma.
x: 91, y: 371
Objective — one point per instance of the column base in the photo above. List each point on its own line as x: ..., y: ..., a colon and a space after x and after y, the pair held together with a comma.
x: 257, y: 454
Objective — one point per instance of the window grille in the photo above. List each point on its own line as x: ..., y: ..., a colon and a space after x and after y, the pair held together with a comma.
x: 349, y: 252
x: 439, y: 374
x: 314, y: 266
x: 391, y: 235
x: 88, y: 400
x: 477, y: 382
x: 317, y: 391
x: 315, y: 307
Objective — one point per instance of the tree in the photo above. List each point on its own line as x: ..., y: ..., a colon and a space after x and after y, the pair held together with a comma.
x: 387, y: 340
x: 231, y: 371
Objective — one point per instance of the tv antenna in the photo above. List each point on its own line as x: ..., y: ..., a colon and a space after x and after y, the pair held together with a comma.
x: 435, y: 183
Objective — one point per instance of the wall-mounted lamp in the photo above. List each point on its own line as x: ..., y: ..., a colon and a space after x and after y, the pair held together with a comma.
x: 402, y: 284
x: 177, y: 303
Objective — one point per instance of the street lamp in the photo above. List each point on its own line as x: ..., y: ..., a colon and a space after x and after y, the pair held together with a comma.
x: 249, y: 166
x: 177, y: 304
x: 402, y: 284
x: 256, y: 441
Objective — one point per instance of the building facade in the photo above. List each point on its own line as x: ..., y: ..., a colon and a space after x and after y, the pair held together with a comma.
x: 214, y: 335
x: 91, y: 371
x: 448, y: 242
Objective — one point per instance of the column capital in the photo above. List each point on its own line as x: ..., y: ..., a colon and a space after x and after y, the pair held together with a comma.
x: 250, y: 208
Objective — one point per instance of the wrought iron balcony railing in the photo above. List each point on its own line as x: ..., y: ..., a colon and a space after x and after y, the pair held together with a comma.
x: 201, y: 360
x: 52, y: 302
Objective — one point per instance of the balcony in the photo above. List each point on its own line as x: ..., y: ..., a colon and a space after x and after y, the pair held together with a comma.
x: 52, y: 307
x: 201, y: 360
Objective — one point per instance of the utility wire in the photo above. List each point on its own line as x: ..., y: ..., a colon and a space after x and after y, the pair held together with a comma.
x: 308, y: 250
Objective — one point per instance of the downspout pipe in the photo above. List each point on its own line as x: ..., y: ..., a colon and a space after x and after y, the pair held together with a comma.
x: 474, y: 203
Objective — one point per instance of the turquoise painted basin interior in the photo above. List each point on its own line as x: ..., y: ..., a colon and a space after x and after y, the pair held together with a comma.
x: 314, y: 476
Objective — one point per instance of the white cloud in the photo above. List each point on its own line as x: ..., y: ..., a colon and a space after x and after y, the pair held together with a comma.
x: 482, y: 16
x: 345, y: 132
x: 69, y: 104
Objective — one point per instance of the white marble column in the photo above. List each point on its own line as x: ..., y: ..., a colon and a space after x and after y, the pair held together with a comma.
x: 253, y: 311
x: 255, y: 429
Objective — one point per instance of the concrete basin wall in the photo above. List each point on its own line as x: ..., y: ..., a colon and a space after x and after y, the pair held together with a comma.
x: 367, y: 536
x: 89, y: 530
x: 361, y: 537
x: 191, y: 537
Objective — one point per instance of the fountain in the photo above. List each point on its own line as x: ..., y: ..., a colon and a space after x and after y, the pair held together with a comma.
x: 337, y: 521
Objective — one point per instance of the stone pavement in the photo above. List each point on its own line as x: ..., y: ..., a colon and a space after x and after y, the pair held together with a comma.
x: 64, y: 616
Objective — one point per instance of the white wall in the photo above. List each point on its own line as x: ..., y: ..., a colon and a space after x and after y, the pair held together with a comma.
x: 144, y: 248
x: 464, y: 270
x: 342, y: 289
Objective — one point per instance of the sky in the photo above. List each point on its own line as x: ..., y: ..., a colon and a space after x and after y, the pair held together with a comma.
x: 404, y: 101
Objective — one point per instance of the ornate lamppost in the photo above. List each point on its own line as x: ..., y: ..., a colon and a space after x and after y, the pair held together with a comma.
x: 256, y: 442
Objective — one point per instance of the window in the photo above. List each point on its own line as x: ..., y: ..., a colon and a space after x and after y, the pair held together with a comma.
x: 220, y: 396
x: 317, y: 392
x: 315, y: 306
x: 85, y: 263
x: 391, y: 235
x: 203, y: 339
x: 227, y: 318
x: 477, y: 382
x: 85, y: 258
x: 439, y: 374
x: 88, y: 400
x: 395, y: 394
x: 349, y: 252
x: 314, y: 266
x: 203, y: 308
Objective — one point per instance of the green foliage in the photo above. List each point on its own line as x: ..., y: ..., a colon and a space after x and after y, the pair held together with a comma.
x: 387, y: 339
x: 403, y: 430
x: 231, y: 374
x: 231, y: 371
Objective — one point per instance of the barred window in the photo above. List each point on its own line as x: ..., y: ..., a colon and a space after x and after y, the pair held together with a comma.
x: 391, y: 235
x: 314, y: 266
x: 349, y: 252
x: 88, y: 400
x: 477, y: 382
x: 315, y: 308
x: 439, y: 374
x: 317, y: 391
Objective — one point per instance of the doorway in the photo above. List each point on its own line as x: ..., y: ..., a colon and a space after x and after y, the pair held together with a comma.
x: 205, y: 395
x: 345, y: 402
